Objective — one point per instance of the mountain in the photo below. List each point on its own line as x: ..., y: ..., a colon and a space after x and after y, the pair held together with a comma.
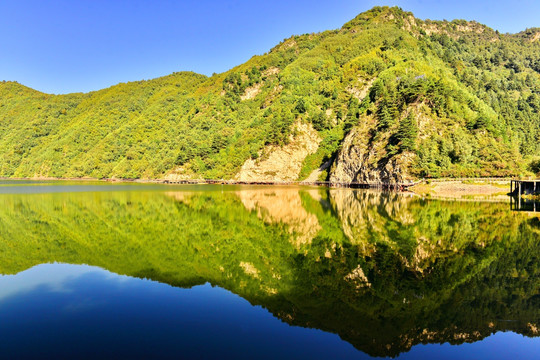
x: 386, y: 97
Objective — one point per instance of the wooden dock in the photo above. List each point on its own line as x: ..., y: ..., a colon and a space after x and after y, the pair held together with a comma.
x: 524, y: 187
x: 519, y: 188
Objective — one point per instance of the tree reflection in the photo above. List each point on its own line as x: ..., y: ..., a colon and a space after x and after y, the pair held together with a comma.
x: 384, y: 271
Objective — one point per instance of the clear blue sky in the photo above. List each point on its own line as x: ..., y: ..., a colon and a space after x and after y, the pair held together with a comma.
x: 61, y: 46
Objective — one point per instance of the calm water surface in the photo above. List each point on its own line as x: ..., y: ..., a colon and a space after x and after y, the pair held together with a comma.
x: 92, y: 270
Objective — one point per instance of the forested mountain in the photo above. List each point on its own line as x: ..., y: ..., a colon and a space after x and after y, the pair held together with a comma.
x: 386, y: 97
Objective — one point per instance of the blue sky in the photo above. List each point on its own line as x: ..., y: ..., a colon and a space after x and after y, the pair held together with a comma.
x: 61, y: 46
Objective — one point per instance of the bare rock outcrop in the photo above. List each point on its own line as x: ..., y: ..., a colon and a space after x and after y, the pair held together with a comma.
x: 361, y: 160
x: 251, y: 92
x: 282, y: 163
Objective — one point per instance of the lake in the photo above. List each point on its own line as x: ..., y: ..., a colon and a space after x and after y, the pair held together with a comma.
x: 98, y: 270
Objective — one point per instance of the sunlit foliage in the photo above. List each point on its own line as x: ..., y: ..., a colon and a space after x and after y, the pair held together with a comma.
x: 459, y: 96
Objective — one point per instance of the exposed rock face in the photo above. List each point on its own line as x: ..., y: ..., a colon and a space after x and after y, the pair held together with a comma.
x: 445, y: 28
x: 362, y: 158
x: 282, y: 163
x: 361, y: 90
x: 364, y: 162
x: 251, y: 92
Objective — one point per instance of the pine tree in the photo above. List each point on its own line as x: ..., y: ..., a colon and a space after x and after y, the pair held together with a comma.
x: 407, y: 133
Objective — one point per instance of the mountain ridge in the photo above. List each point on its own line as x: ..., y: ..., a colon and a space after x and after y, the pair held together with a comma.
x: 434, y: 98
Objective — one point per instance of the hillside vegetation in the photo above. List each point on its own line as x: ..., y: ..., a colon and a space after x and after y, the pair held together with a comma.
x: 418, y: 98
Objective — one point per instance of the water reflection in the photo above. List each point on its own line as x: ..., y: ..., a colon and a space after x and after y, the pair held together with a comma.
x: 53, y: 277
x: 86, y: 312
x: 383, y: 271
x: 523, y: 204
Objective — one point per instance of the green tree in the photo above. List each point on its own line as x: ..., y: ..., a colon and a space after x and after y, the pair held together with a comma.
x: 407, y: 133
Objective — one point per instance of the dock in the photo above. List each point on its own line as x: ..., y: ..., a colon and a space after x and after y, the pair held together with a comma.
x: 524, y: 187
x: 520, y: 188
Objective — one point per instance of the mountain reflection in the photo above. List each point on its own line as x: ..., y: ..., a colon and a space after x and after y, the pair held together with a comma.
x: 384, y: 271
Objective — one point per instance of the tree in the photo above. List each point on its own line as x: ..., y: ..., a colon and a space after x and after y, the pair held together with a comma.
x: 407, y: 133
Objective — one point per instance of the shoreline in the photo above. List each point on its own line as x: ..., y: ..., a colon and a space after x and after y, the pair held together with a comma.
x: 435, y: 188
x: 368, y: 185
x: 473, y: 189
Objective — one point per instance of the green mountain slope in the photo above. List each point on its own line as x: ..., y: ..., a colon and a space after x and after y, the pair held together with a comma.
x: 410, y: 98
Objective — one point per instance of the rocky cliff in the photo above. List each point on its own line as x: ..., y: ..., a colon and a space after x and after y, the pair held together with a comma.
x: 363, y: 161
x: 282, y: 163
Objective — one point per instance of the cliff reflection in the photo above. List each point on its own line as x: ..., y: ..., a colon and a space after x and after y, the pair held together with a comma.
x: 384, y: 271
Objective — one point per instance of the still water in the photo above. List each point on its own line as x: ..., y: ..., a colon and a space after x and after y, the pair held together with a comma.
x: 149, y: 271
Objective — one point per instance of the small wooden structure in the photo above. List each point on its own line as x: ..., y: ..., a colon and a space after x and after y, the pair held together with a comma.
x: 524, y: 187
x: 519, y: 188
